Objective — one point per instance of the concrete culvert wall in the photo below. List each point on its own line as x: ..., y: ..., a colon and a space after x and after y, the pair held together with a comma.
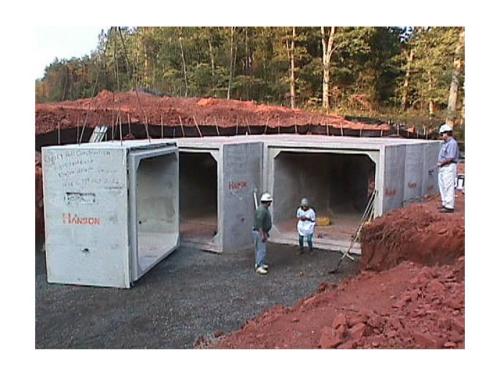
x: 198, y: 195
x: 337, y: 186
x: 156, y: 207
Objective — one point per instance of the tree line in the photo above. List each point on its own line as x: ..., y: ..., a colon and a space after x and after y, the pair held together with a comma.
x: 359, y: 70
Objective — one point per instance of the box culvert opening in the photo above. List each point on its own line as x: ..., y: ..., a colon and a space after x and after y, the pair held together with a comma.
x: 337, y: 185
x: 198, y: 196
x: 156, y: 208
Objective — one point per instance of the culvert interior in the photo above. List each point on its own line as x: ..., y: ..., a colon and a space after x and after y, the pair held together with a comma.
x: 198, y: 196
x: 337, y: 186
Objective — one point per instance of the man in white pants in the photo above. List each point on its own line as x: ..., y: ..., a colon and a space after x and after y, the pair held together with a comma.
x: 305, y: 225
x: 447, y: 164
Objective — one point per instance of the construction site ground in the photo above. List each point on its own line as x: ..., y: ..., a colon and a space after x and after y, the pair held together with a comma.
x: 409, y: 293
x: 406, y: 291
x: 189, y: 298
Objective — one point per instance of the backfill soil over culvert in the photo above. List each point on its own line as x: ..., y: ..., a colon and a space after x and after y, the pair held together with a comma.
x: 197, y: 114
x: 411, y: 295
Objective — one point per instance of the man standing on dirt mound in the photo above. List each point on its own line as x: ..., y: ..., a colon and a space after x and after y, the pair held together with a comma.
x: 262, y: 226
x: 447, y: 164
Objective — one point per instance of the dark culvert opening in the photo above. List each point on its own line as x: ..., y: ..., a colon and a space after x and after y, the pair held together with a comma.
x: 198, y: 196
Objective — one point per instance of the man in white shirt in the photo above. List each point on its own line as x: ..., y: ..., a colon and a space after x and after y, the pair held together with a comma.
x: 305, y: 225
x: 447, y: 164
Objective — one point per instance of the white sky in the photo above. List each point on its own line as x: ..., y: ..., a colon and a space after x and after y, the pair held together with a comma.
x: 62, y: 42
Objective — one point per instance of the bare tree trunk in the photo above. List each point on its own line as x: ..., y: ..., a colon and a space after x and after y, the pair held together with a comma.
x: 145, y: 77
x: 327, y: 54
x: 451, y: 114
x: 246, y: 50
x: 292, y: 69
x: 431, y: 102
x: 115, y: 57
x: 230, y: 65
x: 212, y: 58
x: 184, y: 66
x: 66, y: 75
x: 404, y: 100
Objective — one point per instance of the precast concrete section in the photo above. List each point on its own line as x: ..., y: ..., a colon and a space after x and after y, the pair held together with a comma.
x: 338, y: 174
x: 218, y: 178
x: 111, y: 210
x: 115, y: 209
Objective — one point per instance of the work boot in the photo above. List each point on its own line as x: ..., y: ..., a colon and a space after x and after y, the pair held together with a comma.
x: 300, y: 251
x: 261, y: 270
x: 447, y: 210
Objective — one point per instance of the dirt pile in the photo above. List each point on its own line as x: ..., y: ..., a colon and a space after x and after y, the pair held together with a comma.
x: 409, y: 295
x: 408, y: 306
x: 143, y: 108
x: 418, y: 233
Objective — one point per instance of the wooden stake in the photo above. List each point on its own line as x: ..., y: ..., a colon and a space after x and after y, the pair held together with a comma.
x: 113, y: 126
x: 248, y: 127
x: 117, y: 124
x: 59, y: 133
x: 217, y: 128
x: 78, y: 129
x: 121, y: 138
x: 161, y: 121
x: 128, y: 117
x: 147, y: 130
x: 197, y: 127
x: 182, y: 127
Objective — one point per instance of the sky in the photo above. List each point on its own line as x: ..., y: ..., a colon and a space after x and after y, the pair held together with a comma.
x: 63, y: 42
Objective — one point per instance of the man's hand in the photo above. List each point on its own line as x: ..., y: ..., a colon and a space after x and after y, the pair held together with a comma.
x: 263, y: 236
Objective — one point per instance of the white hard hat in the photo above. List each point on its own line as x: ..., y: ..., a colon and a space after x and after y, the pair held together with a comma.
x: 266, y: 197
x: 445, y: 128
x: 304, y: 202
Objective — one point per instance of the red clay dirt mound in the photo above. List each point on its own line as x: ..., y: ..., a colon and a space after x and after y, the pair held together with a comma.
x: 141, y: 108
x: 408, y: 306
x: 411, y: 305
x: 419, y: 233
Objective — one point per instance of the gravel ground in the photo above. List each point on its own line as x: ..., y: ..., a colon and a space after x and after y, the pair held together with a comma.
x: 188, y: 295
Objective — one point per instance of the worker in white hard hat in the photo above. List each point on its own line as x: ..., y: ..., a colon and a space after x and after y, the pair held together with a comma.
x: 447, y: 164
x: 305, y: 225
x: 262, y: 226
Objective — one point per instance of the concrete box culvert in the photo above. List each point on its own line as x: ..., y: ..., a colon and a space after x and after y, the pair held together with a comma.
x: 218, y: 176
x: 338, y: 174
x: 111, y: 210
